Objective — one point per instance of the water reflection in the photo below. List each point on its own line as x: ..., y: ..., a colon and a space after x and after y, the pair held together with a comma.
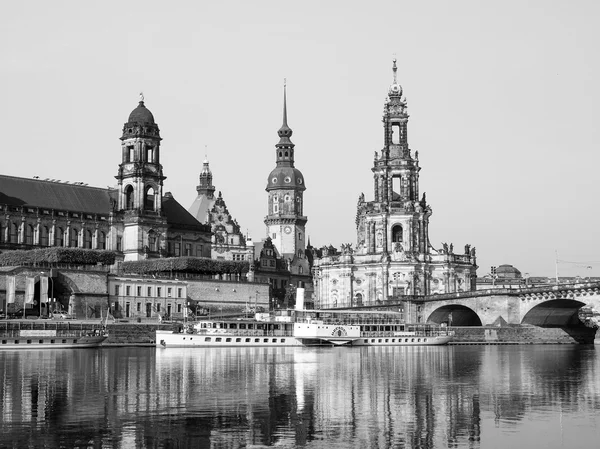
x: 464, y: 397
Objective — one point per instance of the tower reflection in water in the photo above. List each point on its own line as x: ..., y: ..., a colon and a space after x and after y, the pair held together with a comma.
x: 327, y: 397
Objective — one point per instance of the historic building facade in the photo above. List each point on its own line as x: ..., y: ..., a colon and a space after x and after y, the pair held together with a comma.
x: 282, y: 259
x: 393, y: 258
x: 136, y: 218
x: 228, y: 241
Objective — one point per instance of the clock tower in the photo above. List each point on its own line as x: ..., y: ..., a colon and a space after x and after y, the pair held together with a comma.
x: 285, y: 186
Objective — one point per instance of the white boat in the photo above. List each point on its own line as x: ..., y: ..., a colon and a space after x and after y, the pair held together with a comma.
x: 305, y: 328
x: 56, y: 337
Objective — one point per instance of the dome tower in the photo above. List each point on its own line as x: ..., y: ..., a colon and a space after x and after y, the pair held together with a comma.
x: 140, y: 184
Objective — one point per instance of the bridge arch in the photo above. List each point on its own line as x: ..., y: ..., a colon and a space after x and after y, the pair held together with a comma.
x: 454, y: 315
x: 554, y: 313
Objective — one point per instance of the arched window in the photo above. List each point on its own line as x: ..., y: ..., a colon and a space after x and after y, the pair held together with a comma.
x: 359, y: 299
x: 152, y: 241
x: 286, y: 154
x: 129, y: 197
x: 74, y: 238
x: 29, y: 234
x: 59, y: 239
x: 149, y: 198
x: 87, y: 239
x: 275, y: 204
x: 14, y: 233
x: 44, y: 236
x: 101, y: 240
x: 397, y: 233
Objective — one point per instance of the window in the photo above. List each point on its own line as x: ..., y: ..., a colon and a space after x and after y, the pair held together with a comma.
x: 74, y: 238
x: 149, y: 198
x: 29, y: 234
x: 188, y: 249
x: 199, y: 250
x: 149, y: 291
x: 14, y: 233
x: 301, y: 270
x: 119, y: 243
x: 177, y: 250
x: 87, y: 239
x: 59, y: 237
x: 152, y: 241
x: 101, y: 240
x: 117, y: 290
x: 300, y: 254
x: 169, y: 292
x: 139, y: 306
x: 149, y: 154
x: 158, y: 307
x: 158, y: 291
x: 139, y: 291
x: 299, y: 236
x: 179, y: 292
x: 130, y: 153
x: 129, y: 197
x: 128, y: 290
x: 179, y: 308
x: 397, y: 233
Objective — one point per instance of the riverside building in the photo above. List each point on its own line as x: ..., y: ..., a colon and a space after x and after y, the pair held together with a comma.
x: 136, y: 218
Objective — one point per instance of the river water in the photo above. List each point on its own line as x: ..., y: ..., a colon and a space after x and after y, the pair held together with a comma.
x: 422, y: 397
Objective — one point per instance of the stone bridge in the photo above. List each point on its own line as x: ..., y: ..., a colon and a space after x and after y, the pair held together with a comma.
x: 549, y: 306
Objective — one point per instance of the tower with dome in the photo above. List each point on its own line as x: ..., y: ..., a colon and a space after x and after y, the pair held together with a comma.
x: 393, y: 258
x: 282, y: 258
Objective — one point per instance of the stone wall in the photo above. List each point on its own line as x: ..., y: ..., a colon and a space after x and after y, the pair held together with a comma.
x: 228, y: 295
x: 522, y: 335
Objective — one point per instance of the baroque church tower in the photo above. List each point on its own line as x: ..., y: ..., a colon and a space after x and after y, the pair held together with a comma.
x: 393, y: 259
x: 285, y: 186
x: 140, y: 186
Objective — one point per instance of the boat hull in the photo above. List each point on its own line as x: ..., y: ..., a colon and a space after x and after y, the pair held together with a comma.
x: 168, y: 339
x: 45, y: 342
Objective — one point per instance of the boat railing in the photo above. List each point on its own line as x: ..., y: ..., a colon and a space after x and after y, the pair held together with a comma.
x: 244, y: 332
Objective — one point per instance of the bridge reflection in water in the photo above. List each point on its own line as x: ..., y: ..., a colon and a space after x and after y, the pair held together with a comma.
x: 384, y: 397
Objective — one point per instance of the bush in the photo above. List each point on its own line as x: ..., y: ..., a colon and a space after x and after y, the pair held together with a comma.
x: 185, y: 264
x: 74, y: 256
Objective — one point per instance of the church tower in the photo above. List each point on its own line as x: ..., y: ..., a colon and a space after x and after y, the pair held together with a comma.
x: 285, y: 186
x: 393, y: 260
x: 140, y: 185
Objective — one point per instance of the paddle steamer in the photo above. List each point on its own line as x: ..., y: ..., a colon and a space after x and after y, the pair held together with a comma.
x: 305, y: 328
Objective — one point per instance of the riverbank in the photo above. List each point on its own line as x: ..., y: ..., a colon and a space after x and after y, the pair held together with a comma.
x: 143, y: 334
x: 127, y: 334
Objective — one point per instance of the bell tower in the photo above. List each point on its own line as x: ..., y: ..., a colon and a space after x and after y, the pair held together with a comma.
x: 140, y: 183
x: 285, y: 186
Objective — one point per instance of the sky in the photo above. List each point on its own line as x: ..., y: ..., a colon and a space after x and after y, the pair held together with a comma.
x: 502, y: 97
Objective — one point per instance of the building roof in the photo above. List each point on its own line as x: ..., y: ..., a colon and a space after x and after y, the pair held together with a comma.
x: 201, y: 207
x: 55, y: 195
x: 27, y: 192
x: 177, y: 214
x: 141, y: 115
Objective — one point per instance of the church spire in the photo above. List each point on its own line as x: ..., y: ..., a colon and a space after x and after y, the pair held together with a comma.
x: 285, y: 132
